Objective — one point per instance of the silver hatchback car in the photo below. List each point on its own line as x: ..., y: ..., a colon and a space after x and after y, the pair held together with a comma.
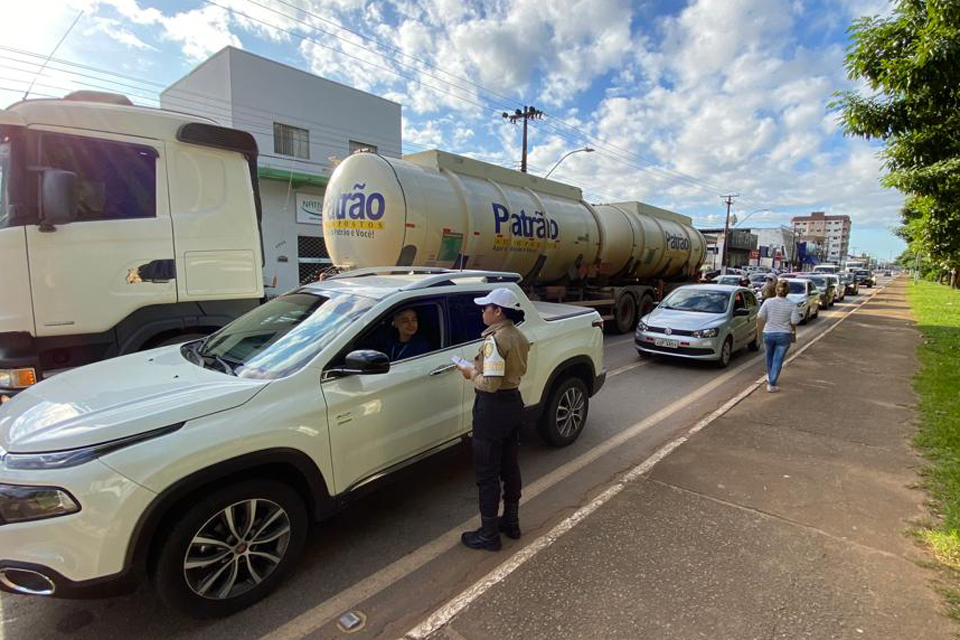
x: 701, y: 322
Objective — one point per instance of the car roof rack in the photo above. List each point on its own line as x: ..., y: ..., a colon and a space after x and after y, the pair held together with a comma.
x: 435, y: 276
x: 387, y: 271
x: 450, y: 276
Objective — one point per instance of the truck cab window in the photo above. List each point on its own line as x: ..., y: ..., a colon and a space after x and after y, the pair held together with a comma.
x: 4, y: 180
x: 115, y: 180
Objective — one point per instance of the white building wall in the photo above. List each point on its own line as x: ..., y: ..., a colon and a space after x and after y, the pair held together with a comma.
x: 248, y: 92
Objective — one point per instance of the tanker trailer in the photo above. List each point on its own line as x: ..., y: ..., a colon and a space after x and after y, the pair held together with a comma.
x: 436, y: 209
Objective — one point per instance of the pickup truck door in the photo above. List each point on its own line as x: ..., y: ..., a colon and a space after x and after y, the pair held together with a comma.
x: 380, y: 421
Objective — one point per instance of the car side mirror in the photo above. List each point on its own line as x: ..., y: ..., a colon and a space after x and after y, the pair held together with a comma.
x: 360, y: 363
x: 741, y: 312
x: 58, y: 198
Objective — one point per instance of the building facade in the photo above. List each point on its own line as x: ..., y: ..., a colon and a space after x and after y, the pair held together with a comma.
x: 304, y: 125
x: 742, y: 245
x: 776, y: 247
x: 830, y: 233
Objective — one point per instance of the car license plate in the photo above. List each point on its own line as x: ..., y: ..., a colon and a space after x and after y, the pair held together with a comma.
x: 664, y: 342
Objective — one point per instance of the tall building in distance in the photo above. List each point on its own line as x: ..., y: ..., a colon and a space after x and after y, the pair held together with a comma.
x: 830, y: 232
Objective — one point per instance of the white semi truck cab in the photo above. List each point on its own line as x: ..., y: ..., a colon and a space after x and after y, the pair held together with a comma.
x: 122, y: 228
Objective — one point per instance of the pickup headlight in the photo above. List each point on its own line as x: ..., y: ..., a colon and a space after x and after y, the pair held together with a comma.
x: 712, y: 332
x: 20, y: 503
x: 75, y: 457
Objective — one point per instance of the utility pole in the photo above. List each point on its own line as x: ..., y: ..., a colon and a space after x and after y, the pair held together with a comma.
x: 726, y: 230
x: 528, y: 113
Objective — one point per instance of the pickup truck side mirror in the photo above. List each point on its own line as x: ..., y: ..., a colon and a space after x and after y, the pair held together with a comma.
x: 58, y: 197
x: 362, y: 362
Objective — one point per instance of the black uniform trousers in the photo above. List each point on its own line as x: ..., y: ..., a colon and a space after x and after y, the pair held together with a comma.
x: 497, y: 418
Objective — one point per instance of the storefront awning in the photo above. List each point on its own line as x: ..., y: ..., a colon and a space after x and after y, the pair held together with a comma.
x: 295, y: 178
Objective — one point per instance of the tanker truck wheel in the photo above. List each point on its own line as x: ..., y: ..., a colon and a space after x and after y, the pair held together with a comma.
x: 625, y: 313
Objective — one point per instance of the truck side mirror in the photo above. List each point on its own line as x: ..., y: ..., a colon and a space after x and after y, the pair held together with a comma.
x: 59, y: 198
x: 362, y: 362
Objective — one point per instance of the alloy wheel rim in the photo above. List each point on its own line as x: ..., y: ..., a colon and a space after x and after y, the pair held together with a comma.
x: 570, y: 412
x: 725, y: 353
x: 237, y: 549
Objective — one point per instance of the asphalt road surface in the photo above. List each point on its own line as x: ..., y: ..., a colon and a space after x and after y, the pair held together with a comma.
x: 394, y: 556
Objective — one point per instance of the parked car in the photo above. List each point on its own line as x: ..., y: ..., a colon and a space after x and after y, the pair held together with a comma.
x: 201, y: 465
x: 850, y: 284
x: 731, y: 280
x: 828, y: 291
x: 806, y: 296
x: 840, y: 292
x: 701, y: 322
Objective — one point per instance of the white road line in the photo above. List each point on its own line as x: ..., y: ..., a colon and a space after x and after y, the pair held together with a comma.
x: 613, y: 343
x: 329, y: 609
x: 446, y: 613
x: 628, y: 367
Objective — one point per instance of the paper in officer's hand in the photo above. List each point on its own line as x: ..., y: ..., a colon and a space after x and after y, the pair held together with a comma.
x: 460, y: 362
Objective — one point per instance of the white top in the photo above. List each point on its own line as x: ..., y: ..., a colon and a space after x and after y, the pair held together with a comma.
x: 779, y: 314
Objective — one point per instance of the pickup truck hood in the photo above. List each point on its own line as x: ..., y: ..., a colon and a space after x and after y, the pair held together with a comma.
x: 115, y: 399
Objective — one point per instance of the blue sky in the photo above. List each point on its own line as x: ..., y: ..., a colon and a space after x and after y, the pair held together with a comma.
x: 683, y: 100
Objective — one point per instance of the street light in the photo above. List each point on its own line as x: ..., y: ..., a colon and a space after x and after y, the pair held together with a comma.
x: 565, y: 156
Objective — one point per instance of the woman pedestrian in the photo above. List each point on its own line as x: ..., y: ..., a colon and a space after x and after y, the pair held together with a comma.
x: 776, y: 328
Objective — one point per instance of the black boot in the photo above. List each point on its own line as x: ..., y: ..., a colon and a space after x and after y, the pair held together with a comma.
x: 510, y: 522
x: 486, y: 537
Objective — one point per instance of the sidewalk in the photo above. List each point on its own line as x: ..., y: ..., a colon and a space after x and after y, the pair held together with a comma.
x: 785, y: 518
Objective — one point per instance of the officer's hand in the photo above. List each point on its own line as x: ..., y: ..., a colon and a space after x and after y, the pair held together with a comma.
x: 466, y: 371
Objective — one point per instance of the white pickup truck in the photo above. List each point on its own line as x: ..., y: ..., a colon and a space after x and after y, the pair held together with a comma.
x: 200, y: 465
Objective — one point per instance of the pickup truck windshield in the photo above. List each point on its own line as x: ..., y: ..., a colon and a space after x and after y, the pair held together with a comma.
x: 282, y: 335
x: 697, y: 300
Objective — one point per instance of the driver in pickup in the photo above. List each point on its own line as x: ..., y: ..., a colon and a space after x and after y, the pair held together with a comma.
x: 405, y: 341
x: 497, y: 417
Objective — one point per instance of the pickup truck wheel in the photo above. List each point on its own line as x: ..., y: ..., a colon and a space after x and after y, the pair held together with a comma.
x: 230, y: 548
x: 566, y: 413
x: 625, y: 313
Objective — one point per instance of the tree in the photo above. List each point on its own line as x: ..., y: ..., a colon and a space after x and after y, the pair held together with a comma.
x: 911, y: 63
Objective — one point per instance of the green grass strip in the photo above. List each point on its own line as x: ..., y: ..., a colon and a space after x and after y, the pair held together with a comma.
x: 937, y: 309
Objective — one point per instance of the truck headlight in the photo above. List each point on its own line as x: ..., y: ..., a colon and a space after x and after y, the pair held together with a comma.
x: 21, y: 503
x: 18, y: 378
x: 712, y: 332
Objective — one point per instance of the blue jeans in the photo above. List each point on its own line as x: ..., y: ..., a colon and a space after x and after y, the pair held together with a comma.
x: 776, y: 345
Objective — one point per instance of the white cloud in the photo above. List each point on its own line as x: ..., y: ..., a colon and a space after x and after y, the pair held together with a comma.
x: 201, y: 32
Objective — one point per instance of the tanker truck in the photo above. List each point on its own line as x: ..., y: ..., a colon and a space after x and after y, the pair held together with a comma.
x: 437, y: 209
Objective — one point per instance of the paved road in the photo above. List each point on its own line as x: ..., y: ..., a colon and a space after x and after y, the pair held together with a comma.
x: 393, y: 556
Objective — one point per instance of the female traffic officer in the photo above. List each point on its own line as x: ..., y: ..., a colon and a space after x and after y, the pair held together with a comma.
x: 497, y: 416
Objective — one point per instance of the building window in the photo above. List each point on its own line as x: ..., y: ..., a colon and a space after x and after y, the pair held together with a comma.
x: 291, y: 141
x: 357, y: 146
x: 313, y: 257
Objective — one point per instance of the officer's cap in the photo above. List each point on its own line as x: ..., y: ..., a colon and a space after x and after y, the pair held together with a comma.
x: 500, y: 297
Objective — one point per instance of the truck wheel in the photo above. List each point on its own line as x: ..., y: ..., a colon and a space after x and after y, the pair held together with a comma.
x: 230, y: 548
x: 725, y: 352
x: 566, y: 413
x: 646, y: 305
x: 625, y: 313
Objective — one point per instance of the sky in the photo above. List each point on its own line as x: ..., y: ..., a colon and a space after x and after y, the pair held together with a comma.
x: 683, y: 101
